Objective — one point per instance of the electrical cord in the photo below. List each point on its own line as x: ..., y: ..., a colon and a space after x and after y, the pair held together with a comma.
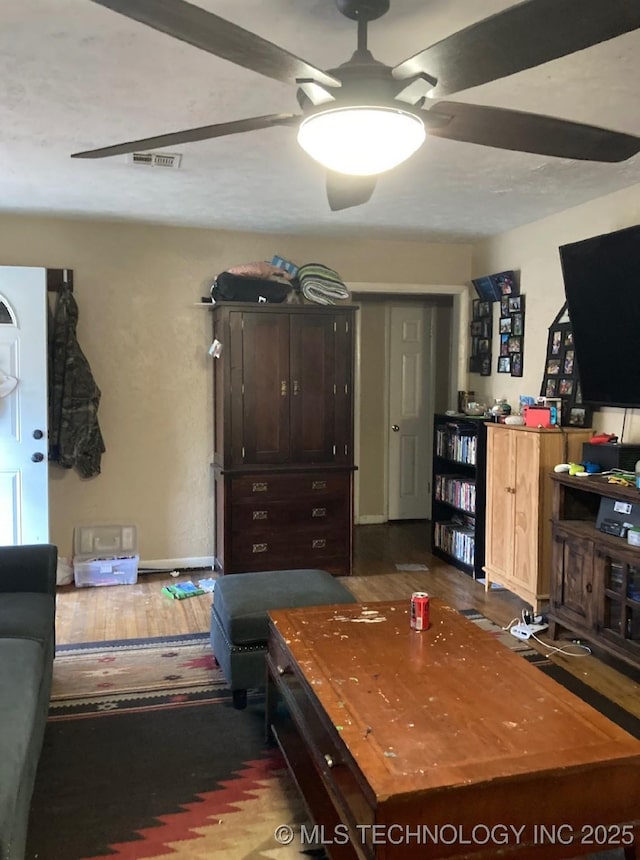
x: 554, y: 650
x: 584, y: 652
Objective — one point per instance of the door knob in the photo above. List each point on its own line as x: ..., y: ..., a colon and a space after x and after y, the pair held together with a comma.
x: 38, y: 434
x: 37, y: 457
x: 395, y: 428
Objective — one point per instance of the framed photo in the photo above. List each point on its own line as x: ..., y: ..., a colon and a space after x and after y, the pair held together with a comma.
x: 551, y: 388
x: 505, y: 325
x: 516, y: 364
x: 568, y: 338
x: 565, y: 387
x: 506, y: 283
x: 485, y: 365
x: 486, y: 289
x: 567, y: 366
x: 553, y: 367
x: 476, y: 328
x: 515, y: 304
x: 504, y: 307
x: 579, y: 416
x: 504, y: 364
x: 556, y: 342
x: 484, y: 309
x: 515, y: 344
x: 476, y: 309
x: 484, y: 345
x: 517, y: 324
x: 504, y: 344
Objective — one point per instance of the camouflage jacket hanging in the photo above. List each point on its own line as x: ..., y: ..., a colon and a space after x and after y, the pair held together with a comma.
x: 75, y: 439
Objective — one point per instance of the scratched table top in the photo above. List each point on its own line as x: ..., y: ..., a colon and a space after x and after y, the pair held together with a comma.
x: 449, y: 706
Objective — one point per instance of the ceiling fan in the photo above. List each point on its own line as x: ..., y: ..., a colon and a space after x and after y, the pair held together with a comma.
x: 364, y: 117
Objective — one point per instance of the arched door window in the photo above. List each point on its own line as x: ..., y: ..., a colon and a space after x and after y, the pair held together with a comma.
x: 7, y: 316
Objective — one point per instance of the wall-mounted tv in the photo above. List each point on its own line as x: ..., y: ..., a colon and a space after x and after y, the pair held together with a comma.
x: 602, y: 286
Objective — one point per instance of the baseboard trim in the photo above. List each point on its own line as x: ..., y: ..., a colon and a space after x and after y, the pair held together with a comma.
x: 370, y: 519
x: 176, y: 563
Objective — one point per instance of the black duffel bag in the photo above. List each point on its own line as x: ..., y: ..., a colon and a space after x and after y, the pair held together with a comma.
x: 228, y: 287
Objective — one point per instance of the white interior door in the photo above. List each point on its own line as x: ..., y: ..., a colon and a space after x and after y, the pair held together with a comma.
x: 410, y: 396
x: 24, y: 505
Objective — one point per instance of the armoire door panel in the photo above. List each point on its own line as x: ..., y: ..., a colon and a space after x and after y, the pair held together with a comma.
x: 312, y: 388
x: 500, y: 510
x: 266, y: 388
x: 526, y: 532
x: 343, y: 405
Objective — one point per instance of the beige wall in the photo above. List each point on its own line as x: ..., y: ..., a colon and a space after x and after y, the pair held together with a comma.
x: 147, y: 345
x: 533, y: 250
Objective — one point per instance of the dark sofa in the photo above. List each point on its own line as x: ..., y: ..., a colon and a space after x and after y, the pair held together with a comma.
x: 27, y: 644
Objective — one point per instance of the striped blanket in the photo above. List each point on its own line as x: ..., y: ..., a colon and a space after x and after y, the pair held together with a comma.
x: 321, y: 284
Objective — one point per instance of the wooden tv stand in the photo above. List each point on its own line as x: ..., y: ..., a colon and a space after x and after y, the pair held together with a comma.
x: 595, y: 577
x: 388, y: 731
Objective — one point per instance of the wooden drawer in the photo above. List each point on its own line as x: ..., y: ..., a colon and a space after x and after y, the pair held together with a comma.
x: 338, y: 770
x: 263, y: 514
x: 278, y: 487
x: 302, y: 549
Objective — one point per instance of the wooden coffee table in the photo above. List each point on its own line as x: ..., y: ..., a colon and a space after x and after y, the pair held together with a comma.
x: 441, y: 744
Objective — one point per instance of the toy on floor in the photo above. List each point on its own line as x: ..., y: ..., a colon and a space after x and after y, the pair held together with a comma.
x: 181, y: 590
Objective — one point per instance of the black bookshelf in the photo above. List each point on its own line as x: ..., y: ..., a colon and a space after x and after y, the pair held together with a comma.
x: 458, y: 491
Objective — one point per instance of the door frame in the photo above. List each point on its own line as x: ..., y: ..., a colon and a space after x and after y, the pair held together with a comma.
x: 457, y: 360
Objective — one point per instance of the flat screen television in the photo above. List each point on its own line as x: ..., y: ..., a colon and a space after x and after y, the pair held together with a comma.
x: 602, y: 286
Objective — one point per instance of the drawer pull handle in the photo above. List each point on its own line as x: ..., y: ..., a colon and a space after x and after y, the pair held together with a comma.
x: 259, y: 547
x: 319, y: 543
x: 319, y: 485
x: 329, y: 760
x: 589, y: 588
x: 283, y: 670
x: 259, y: 487
x: 319, y: 512
x: 260, y: 515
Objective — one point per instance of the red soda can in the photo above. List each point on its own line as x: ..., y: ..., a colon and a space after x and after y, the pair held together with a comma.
x: 420, y: 610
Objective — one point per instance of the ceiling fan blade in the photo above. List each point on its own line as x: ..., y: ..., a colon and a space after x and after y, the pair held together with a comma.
x: 205, y: 132
x: 344, y: 191
x: 522, y: 36
x: 218, y: 36
x: 528, y: 132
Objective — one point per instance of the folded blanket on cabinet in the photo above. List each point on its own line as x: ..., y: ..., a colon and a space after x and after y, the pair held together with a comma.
x: 322, y: 285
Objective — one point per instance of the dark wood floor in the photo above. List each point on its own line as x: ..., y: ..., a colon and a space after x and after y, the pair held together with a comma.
x: 141, y: 610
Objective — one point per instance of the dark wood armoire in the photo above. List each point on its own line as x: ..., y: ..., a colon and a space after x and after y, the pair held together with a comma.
x: 283, y: 437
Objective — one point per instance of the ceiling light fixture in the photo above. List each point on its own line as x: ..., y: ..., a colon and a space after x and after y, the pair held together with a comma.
x: 361, y: 141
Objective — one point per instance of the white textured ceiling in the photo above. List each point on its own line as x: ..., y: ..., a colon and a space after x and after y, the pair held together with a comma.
x: 76, y: 76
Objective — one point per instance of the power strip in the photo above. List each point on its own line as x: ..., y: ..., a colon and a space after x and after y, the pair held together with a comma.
x: 525, y: 631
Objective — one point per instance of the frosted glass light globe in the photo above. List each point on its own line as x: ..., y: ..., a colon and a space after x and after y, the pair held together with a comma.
x: 361, y: 141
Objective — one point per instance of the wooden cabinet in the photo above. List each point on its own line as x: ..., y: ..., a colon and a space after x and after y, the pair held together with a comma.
x: 283, y: 437
x: 518, y: 528
x: 458, y: 491
x: 595, y: 577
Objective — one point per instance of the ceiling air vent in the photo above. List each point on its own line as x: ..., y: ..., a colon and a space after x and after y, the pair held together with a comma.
x: 156, y: 159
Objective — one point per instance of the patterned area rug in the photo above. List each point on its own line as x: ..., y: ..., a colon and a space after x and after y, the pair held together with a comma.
x: 145, y: 759
x: 97, y: 677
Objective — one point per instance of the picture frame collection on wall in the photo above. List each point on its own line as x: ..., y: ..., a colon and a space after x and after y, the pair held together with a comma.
x: 560, y: 378
x: 481, y: 331
x: 503, y: 288
x: 511, y: 352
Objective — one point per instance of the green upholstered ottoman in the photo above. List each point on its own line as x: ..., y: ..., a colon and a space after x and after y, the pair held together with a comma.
x: 240, y: 622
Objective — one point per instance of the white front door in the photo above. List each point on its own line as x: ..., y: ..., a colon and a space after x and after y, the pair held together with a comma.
x: 410, y: 393
x: 24, y: 502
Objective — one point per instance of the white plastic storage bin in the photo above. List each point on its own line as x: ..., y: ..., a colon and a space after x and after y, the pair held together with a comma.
x: 105, y: 555
x: 103, y: 571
